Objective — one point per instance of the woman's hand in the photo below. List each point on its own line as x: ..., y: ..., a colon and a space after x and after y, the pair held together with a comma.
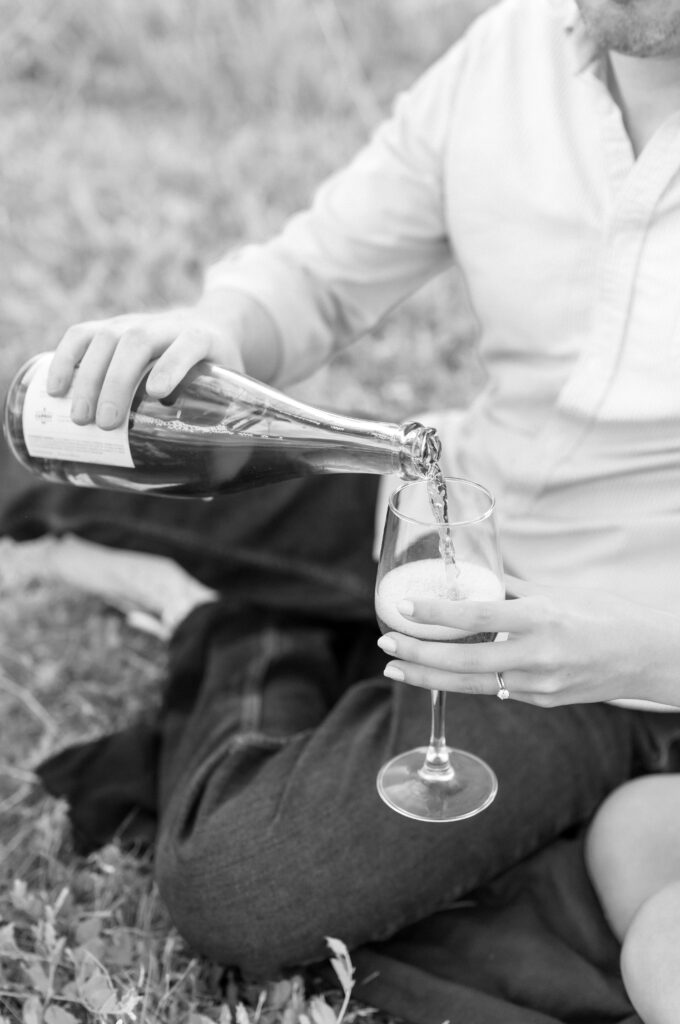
x: 104, y: 360
x: 564, y: 647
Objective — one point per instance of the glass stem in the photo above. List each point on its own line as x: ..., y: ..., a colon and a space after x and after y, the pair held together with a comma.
x: 437, y: 766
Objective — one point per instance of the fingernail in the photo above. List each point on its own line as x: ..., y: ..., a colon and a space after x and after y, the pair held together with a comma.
x: 107, y: 414
x: 81, y: 410
x: 159, y: 384
x: 394, y: 673
x: 406, y: 607
x: 387, y: 644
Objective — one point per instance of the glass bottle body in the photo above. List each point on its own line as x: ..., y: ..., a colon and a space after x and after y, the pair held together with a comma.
x: 218, y: 432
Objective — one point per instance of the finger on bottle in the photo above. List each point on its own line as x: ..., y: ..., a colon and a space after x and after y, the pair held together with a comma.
x: 90, y: 375
x: 114, y: 401
x: 188, y: 349
x: 66, y: 357
x: 123, y: 375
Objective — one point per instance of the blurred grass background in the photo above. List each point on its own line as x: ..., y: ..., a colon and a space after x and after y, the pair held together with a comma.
x: 140, y: 140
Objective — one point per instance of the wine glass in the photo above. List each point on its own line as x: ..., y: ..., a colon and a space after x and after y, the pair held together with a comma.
x: 436, y: 782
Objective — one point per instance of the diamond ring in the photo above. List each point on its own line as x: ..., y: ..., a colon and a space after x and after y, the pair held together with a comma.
x: 503, y: 692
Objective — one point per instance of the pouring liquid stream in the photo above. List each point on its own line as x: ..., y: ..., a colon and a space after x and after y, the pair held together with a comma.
x: 436, y: 491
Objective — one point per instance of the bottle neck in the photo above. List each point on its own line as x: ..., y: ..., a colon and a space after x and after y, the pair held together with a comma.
x: 227, y: 405
x: 355, y: 445
x: 340, y: 443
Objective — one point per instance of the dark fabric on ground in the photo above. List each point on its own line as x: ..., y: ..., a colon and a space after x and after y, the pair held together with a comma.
x: 213, y: 540
x: 110, y: 785
x: 529, y: 947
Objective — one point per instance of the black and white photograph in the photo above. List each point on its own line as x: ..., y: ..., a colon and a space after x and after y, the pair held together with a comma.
x: 340, y: 512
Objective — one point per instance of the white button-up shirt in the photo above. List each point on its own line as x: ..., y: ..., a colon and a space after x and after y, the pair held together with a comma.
x: 509, y: 157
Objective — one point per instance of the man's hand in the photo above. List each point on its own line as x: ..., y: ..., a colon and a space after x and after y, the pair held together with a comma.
x: 564, y: 647
x: 105, y: 359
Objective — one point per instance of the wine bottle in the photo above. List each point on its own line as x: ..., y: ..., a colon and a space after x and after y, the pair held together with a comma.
x: 219, y: 431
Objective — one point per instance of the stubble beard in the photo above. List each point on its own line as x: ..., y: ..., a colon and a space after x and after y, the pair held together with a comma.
x: 630, y: 27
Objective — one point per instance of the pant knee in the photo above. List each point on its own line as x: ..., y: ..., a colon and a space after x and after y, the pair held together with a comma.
x: 237, y: 910
x: 209, y: 919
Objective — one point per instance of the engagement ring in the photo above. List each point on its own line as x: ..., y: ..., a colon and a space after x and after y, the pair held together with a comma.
x: 503, y: 692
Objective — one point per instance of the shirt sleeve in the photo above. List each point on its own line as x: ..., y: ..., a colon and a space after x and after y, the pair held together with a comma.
x: 374, y: 233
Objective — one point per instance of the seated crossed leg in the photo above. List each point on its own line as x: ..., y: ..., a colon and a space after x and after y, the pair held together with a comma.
x: 272, y: 834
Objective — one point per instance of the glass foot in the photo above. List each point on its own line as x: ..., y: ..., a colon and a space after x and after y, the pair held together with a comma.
x: 402, y: 787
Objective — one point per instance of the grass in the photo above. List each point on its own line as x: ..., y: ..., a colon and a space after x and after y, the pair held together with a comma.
x: 140, y: 141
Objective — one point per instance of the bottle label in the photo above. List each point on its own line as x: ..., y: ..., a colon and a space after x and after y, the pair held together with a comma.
x: 50, y: 433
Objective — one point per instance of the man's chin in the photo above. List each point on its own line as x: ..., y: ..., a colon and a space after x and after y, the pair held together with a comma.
x: 637, y: 29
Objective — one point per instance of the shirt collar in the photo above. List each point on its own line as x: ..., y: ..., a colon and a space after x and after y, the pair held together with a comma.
x: 584, y: 52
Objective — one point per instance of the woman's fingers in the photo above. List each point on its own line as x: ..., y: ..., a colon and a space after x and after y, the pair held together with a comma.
x: 479, y: 681
x: 439, y: 679
x: 451, y: 657
x: 469, y: 616
x: 484, y: 685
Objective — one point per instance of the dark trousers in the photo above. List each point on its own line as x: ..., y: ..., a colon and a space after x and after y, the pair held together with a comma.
x: 277, y: 719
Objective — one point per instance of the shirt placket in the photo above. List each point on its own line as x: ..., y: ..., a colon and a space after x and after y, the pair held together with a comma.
x: 634, y: 190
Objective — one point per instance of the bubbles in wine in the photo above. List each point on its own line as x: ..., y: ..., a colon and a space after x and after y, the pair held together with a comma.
x: 426, y: 579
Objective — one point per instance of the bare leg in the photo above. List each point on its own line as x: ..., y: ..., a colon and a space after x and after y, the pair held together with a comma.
x: 650, y: 959
x: 633, y: 847
x: 633, y: 855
